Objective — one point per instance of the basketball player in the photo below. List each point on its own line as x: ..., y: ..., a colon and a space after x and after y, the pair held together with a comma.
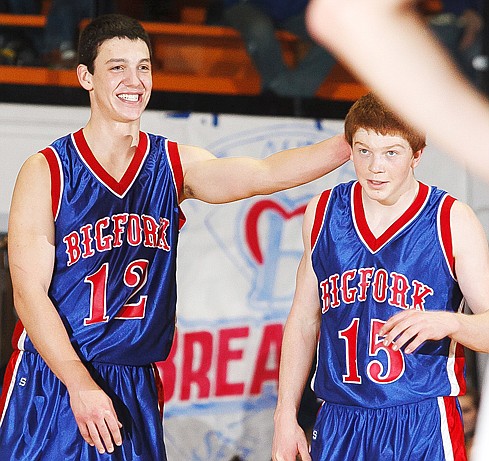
x: 387, y: 266
x: 389, y: 47
x: 93, y: 236
x: 420, y: 81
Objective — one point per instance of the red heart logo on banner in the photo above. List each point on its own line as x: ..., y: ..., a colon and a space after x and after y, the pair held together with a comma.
x: 251, y: 223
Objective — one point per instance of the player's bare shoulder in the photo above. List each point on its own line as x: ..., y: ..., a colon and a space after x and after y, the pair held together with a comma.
x: 468, y: 235
x: 36, y: 163
x: 192, y: 158
x: 309, y: 216
x: 462, y: 215
x: 32, y: 191
x: 193, y: 154
x: 33, y: 174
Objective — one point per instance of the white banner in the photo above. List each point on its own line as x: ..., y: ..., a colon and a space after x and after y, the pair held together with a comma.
x: 236, y: 278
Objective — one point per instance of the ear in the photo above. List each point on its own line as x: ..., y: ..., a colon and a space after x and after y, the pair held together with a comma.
x: 417, y: 157
x: 84, y: 77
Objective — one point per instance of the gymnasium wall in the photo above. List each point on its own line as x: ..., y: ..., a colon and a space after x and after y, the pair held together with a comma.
x: 236, y: 269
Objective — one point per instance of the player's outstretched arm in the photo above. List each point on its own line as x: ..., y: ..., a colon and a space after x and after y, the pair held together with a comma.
x: 224, y: 180
x: 471, y: 255
x: 388, y: 46
x: 298, y: 348
x: 31, y: 258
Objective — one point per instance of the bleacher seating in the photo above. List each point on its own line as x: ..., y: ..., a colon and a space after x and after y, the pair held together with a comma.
x: 189, y: 57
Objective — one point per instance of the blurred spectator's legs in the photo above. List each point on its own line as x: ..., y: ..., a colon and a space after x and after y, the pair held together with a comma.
x: 61, y: 32
x: 20, y: 46
x: 258, y: 32
x: 306, y: 78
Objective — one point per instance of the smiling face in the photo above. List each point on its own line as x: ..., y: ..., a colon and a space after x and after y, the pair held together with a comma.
x: 120, y: 86
x: 384, y: 165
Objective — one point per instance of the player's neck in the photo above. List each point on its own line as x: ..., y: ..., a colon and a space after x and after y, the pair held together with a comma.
x: 101, y: 131
x: 380, y: 215
x: 113, y: 146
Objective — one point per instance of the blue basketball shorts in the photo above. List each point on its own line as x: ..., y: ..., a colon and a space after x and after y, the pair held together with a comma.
x: 37, y: 423
x: 430, y: 430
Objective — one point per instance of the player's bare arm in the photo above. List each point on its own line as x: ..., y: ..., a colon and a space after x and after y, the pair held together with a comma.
x: 472, y: 270
x: 298, y: 348
x: 224, y: 180
x: 363, y: 33
x: 31, y: 257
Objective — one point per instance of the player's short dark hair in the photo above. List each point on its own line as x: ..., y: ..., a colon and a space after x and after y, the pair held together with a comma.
x: 370, y: 113
x: 104, y: 28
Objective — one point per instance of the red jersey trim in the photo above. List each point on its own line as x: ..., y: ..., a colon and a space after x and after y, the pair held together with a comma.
x: 56, y: 179
x: 445, y: 231
x: 121, y: 187
x: 319, y: 216
x: 177, y: 170
x: 159, y: 389
x: 373, y: 243
x: 9, y: 382
x: 11, y: 369
x: 459, y: 368
x: 176, y: 165
x: 453, y: 440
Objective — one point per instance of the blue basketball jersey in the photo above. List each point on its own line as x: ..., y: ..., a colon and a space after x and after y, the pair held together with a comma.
x: 364, y: 280
x: 114, y: 277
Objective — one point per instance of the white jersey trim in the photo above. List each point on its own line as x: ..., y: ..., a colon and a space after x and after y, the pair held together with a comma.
x: 445, y: 433
x: 12, y: 383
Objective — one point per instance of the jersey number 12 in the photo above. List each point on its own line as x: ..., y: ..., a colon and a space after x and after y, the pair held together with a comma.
x: 135, y: 276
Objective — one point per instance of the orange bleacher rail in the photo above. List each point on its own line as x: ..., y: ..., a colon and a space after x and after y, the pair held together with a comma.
x: 22, y: 20
x: 193, y: 58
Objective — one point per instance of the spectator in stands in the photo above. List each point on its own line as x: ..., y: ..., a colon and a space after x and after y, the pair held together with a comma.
x: 20, y: 46
x: 158, y: 10
x: 469, y: 404
x: 257, y: 22
x: 458, y: 25
x: 61, y: 32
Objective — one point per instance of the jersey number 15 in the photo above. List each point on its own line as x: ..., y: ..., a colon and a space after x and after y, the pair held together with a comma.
x: 375, y: 370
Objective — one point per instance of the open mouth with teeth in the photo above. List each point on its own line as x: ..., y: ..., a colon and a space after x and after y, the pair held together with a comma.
x: 129, y: 97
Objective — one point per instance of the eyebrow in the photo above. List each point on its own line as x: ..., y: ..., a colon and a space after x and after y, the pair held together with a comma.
x: 114, y: 60
x: 385, y: 147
